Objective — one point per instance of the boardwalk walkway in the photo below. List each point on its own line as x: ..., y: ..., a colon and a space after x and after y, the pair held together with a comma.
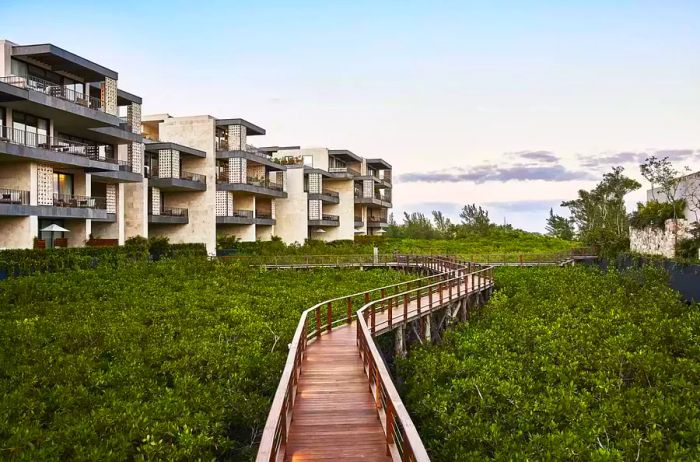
x: 335, y: 417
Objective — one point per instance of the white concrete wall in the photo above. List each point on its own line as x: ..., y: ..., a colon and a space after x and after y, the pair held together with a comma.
x: 345, y: 209
x: 245, y: 233
x: 197, y: 132
x: 689, y: 185
x: 655, y: 241
x: 17, y: 232
x: 292, y: 212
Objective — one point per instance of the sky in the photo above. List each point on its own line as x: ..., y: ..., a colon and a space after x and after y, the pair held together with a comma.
x: 514, y: 105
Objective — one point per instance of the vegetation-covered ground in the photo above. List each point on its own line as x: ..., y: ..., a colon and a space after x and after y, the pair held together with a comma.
x: 496, y: 241
x: 564, y: 364
x: 175, y: 360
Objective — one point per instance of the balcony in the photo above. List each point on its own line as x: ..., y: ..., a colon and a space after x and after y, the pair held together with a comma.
x: 172, y: 181
x: 377, y: 221
x: 15, y: 202
x: 378, y: 199
x: 20, y: 143
x: 325, y: 220
x: 326, y: 195
x: 359, y: 222
x: 343, y: 172
x: 251, y: 153
x: 169, y: 216
x: 258, y: 186
x: 48, y: 99
x: 236, y: 217
x: 264, y: 218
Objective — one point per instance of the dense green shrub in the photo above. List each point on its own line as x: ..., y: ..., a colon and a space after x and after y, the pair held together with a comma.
x: 655, y: 213
x: 24, y: 262
x: 564, y: 364
x: 171, y: 360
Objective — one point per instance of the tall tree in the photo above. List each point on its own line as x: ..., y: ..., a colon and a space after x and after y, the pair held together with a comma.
x: 600, y: 214
x: 443, y: 225
x: 475, y: 218
x: 561, y: 227
x: 665, y: 182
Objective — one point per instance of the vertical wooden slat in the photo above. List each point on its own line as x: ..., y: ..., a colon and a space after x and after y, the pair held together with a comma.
x: 405, y: 307
x: 372, y: 314
x: 389, y: 427
x: 391, y: 314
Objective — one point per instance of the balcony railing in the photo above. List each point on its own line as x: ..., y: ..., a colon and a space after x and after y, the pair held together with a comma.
x: 349, y: 170
x: 326, y: 217
x: 154, y: 172
x: 263, y: 215
x: 265, y: 183
x: 52, y: 89
x: 330, y: 192
x: 386, y: 197
x: 81, y: 202
x: 173, y: 212
x: 14, y: 196
x: 56, y: 144
x: 193, y: 177
x: 223, y: 177
x: 372, y: 219
x: 358, y: 218
x: 223, y: 145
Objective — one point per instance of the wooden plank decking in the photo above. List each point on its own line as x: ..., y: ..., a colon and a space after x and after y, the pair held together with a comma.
x: 335, y: 417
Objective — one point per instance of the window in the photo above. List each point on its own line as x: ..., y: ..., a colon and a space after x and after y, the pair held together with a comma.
x: 63, y: 183
x: 2, y: 124
x: 29, y: 129
x: 309, y: 161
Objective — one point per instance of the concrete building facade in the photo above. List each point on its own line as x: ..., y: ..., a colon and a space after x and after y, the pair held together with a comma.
x: 70, y: 144
x: 76, y: 152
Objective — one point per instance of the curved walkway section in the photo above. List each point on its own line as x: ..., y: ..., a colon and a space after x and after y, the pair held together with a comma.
x: 336, y: 400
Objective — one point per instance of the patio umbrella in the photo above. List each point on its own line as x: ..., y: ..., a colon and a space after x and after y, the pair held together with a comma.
x: 55, y: 229
x: 319, y: 230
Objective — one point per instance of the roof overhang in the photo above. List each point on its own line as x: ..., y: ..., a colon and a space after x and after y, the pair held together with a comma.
x: 252, y: 128
x: 125, y: 98
x: 273, y: 149
x: 344, y: 155
x: 59, y: 59
x: 381, y: 164
x: 155, y: 147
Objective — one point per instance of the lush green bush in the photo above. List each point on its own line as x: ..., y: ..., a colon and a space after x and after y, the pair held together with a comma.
x: 564, y: 364
x: 655, y: 213
x: 170, y: 360
x: 689, y: 249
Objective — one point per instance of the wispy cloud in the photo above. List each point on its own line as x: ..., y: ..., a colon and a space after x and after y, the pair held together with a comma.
x: 525, y: 206
x: 629, y: 157
x: 485, y: 173
x: 540, y: 156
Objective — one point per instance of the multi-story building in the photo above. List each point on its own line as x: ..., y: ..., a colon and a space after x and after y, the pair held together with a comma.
x: 231, y: 186
x: 333, y: 194
x: 66, y: 156
x: 73, y: 154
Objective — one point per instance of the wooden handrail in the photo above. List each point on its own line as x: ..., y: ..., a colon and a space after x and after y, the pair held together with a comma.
x: 275, y: 430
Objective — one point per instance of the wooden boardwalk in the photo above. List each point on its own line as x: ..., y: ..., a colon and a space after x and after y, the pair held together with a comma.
x: 336, y: 400
x: 335, y: 417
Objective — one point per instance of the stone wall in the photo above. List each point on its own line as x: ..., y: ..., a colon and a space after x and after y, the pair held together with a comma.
x: 656, y: 241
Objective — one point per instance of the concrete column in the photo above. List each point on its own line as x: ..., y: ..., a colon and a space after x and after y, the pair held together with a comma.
x: 428, y: 326
x: 400, y: 342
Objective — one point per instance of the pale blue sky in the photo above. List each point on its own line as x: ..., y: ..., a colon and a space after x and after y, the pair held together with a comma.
x: 445, y: 91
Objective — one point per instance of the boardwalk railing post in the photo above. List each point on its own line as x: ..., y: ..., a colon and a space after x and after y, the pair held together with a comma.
x: 430, y: 297
x: 389, y: 427
x: 318, y: 320
x: 405, y: 307
x: 372, y: 313
x: 349, y: 310
x: 391, y: 316
x: 330, y: 317
x: 418, y: 300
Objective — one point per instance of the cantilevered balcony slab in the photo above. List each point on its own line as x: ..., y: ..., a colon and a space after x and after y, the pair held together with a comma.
x: 325, y: 197
x: 19, y: 96
x: 49, y: 211
x: 377, y: 223
x: 251, y: 188
x: 177, y: 184
x: 123, y: 175
x: 186, y: 150
x: 321, y: 223
x: 373, y: 201
x: 10, y: 151
x: 251, y: 156
x: 168, y: 219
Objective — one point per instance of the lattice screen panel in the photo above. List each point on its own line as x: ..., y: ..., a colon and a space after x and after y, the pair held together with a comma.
x: 314, y: 210
x: 44, y: 185
x: 111, y: 198
x: 109, y: 96
x: 155, y: 198
x: 136, y: 157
